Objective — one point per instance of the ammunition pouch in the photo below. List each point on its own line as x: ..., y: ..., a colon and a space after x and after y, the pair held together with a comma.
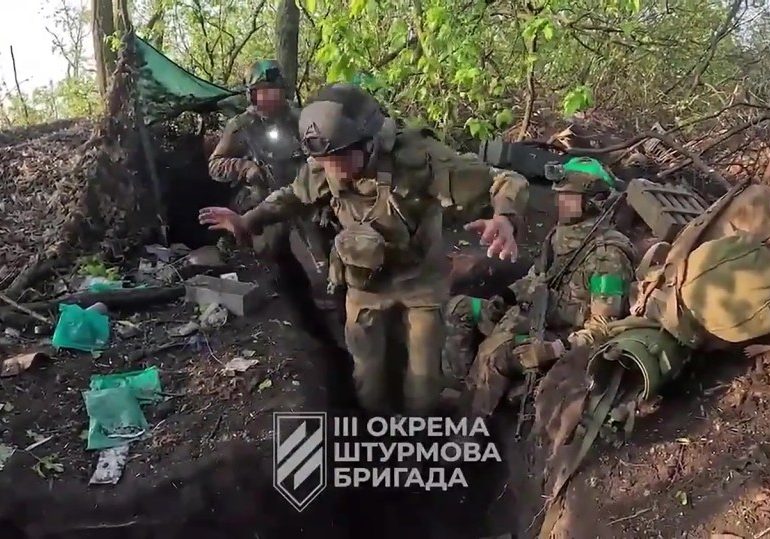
x: 653, y: 356
x: 361, y: 249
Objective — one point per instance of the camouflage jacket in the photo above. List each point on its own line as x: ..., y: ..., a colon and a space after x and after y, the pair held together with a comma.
x: 256, y: 149
x: 608, y: 257
x: 420, y: 177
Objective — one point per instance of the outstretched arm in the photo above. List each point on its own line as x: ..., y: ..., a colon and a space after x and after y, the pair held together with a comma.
x: 308, y: 190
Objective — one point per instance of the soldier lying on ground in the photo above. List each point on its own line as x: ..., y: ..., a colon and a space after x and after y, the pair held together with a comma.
x: 388, y: 188
x: 588, y: 268
x: 260, y: 152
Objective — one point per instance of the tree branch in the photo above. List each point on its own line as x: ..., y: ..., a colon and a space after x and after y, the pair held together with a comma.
x: 18, y: 88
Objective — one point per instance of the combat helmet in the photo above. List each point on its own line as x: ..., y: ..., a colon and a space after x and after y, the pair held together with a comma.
x: 582, y: 175
x: 337, y: 117
x: 264, y: 72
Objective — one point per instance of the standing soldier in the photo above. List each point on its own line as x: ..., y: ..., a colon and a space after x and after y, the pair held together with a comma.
x: 260, y: 151
x: 388, y: 189
x: 594, y: 264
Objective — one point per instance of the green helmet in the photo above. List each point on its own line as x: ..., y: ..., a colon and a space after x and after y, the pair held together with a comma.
x: 264, y: 72
x: 337, y: 117
x: 582, y: 175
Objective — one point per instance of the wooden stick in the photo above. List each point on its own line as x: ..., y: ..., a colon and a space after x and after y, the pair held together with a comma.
x: 25, y: 310
x: 629, y: 517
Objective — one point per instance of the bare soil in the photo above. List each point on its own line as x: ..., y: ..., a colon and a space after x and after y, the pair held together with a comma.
x: 696, y: 467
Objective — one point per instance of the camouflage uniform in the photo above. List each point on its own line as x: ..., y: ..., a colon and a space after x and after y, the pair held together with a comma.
x: 389, y: 253
x: 262, y: 154
x: 594, y: 287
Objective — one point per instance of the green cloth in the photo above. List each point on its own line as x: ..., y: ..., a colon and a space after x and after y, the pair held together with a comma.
x: 115, y: 417
x: 166, y: 89
x: 590, y: 167
x: 144, y: 385
x: 607, y: 285
x: 104, y: 285
x: 476, y: 310
x: 518, y: 339
x: 81, y: 329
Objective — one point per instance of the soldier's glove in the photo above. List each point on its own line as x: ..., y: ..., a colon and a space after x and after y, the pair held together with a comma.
x: 536, y: 355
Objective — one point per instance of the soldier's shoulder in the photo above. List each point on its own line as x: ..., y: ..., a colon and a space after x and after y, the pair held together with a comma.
x: 241, y: 121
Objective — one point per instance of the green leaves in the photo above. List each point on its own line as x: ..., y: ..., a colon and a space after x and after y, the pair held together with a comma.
x: 504, y: 118
x: 538, y: 26
x: 577, y: 100
x: 357, y: 7
x: 479, y: 128
x: 310, y: 5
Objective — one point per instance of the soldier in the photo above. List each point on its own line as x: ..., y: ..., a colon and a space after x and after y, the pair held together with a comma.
x: 387, y: 188
x: 260, y: 151
x: 596, y: 271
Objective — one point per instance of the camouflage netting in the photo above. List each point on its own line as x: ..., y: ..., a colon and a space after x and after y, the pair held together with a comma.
x: 79, y: 188
x: 68, y: 193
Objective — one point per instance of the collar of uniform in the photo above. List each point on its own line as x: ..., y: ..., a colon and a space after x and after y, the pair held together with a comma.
x: 253, y: 110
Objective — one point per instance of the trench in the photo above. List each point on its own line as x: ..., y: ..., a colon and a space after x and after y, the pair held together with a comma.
x: 360, y: 512
x: 230, y: 495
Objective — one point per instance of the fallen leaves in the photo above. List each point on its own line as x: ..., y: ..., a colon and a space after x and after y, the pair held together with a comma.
x: 18, y: 364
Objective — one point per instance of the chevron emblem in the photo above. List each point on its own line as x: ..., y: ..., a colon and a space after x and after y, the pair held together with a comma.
x: 299, y: 456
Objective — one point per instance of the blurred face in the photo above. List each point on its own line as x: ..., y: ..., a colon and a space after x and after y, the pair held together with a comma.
x: 267, y: 100
x: 570, y: 206
x: 344, y: 166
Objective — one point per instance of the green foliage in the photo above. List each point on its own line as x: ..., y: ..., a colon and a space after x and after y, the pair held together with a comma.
x: 462, y: 67
x: 577, y: 100
x: 93, y: 267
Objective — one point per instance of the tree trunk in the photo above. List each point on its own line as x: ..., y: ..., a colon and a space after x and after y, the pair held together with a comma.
x: 286, y: 41
x: 103, y: 26
x: 121, y: 17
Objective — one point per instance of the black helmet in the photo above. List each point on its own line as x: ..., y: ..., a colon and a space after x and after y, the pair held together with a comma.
x: 337, y: 117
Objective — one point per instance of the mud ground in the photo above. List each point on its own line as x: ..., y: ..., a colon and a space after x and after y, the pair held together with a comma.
x: 696, y: 467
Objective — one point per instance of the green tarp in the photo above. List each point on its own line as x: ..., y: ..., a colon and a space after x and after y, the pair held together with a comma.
x: 166, y: 89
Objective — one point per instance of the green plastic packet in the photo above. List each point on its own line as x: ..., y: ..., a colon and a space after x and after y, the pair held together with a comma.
x: 115, y: 417
x: 81, y: 329
x: 144, y: 385
x: 105, y: 285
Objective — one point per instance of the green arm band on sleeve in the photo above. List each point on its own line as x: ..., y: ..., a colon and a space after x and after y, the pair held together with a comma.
x: 607, y: 285
x: 476, y: 309
x: 518, y: 339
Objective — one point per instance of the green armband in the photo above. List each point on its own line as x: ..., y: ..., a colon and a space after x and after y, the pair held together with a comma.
x: 520, y: 338
x: 476, y: 310
x: 606, y: 284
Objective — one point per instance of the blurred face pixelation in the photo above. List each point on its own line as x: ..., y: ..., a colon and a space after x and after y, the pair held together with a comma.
x: 343, y: 166
x: 268, y: 100
x: 570, y: 206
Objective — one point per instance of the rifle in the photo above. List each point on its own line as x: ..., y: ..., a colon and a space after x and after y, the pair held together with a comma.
x: 539, y: 308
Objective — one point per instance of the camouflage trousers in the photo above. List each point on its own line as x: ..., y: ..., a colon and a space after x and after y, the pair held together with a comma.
x: 376, y: 324
x: 479, y: 350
